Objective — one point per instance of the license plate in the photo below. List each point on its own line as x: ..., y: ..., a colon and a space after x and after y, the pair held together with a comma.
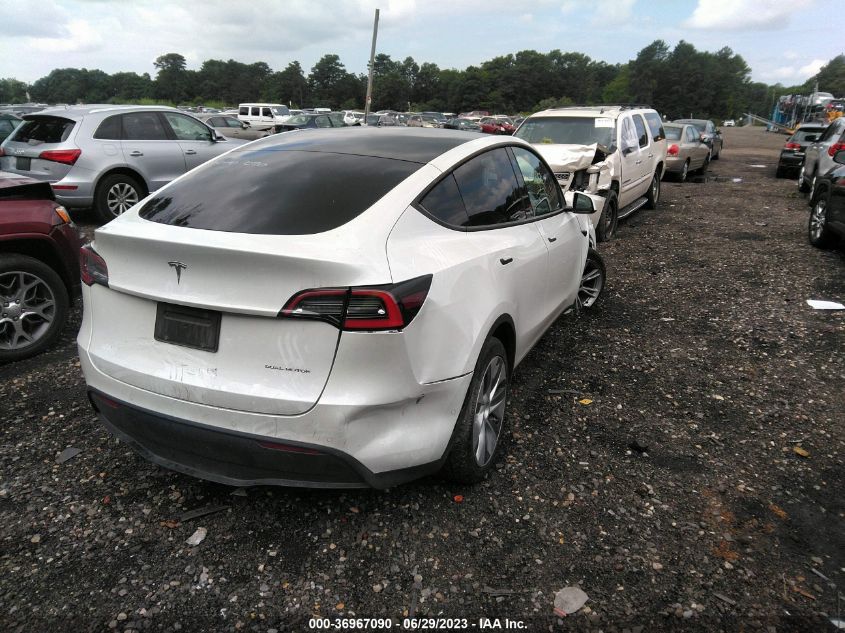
x: 188, y: 327
x: 23, y: 162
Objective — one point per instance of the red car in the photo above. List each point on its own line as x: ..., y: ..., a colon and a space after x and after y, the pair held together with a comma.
x: 39, y: 266
x: 490, y: 125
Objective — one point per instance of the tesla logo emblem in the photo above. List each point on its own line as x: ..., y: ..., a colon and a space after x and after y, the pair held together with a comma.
x: 178, y: 267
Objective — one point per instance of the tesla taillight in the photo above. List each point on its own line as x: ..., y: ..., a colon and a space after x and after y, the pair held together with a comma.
x: 64, y: 156
x: 372, y: 308
x: 93, y: 267
x: 673, y: 150
x: 836, y: 147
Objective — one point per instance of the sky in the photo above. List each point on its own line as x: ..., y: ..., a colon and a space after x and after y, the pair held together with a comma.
x: 783, y: 41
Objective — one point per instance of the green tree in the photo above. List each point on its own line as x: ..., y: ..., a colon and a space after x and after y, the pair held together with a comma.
x: 831, y: 76
x: 172, y: 82
x: 288, y: 86
x: 12, y: 91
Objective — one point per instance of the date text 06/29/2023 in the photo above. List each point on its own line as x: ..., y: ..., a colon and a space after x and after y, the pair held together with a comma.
x: 415, y: 624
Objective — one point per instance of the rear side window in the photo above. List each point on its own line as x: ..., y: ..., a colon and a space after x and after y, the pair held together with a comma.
x: 243, y: 111
x: 143, y: 126
x: 44, y: 129
x: 655, y: 125
x: 277, y: 192
x: 642, y: 137
x: 490, y: 190
x: 692, y: 135
x: 109, y: 129
x: 445, y: 204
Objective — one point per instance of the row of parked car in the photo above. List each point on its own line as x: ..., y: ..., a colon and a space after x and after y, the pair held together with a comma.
x: 815, y: 153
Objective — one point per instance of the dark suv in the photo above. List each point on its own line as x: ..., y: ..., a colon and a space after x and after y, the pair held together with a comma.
x: 39, y: 266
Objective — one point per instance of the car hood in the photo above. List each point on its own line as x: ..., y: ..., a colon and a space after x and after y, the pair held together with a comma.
x: 568, y: 157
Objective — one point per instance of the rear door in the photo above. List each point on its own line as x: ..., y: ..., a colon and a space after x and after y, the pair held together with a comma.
x: 149, y: 149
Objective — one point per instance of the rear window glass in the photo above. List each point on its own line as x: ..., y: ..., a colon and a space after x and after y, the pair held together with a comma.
x: 673, y: 133
x: 801, y: 135
x: 272, y: 192
x: 44, y: 129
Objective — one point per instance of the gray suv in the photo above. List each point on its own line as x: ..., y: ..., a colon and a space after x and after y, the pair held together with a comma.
x: 109, y: 156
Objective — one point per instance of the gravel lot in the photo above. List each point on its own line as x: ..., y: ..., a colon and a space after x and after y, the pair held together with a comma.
x: 700, y: 489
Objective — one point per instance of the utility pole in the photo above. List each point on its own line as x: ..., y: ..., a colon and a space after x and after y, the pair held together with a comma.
x: 372, y: 68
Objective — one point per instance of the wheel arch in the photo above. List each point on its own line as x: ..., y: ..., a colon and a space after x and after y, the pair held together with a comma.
x: 504, y: 329
x: 42, y: 250
x: 126, y: 171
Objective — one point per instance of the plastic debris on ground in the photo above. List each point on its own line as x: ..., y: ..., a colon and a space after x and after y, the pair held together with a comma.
x: 197, y: 537
x: 568, y: 600
x: 819, y: 304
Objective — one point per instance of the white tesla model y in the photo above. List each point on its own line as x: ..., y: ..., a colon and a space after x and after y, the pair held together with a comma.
x: 332, y: 308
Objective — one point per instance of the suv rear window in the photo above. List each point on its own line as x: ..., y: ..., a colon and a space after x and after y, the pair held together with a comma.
x: 655, y: 125
x: 277, y: 192
x: 567, y: 130
x: 44, y: 129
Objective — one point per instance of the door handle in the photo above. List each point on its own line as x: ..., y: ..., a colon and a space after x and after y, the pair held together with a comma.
x: 505, y: 260
x: 553, y: 239
x: 639, y: 162
x: 651, y: 155
x: 136, y: 153
x: 190, y: 152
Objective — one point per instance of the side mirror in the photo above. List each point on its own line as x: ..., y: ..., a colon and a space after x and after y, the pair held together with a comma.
x: 582, y: 203
x: 839, y: 157
x: 244, y: 125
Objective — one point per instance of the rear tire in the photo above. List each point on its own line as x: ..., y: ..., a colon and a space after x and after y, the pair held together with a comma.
x: 609, y: 219
x: 803, y: 187
x: 818, y: 231
x: 682, y: 177
x: 34, y: 305
x: 116, y: 194
x: 653, y: 195
x: 480, y: 426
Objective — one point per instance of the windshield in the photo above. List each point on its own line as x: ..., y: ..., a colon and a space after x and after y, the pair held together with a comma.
x: 567, y: 131
x: 281, y: 110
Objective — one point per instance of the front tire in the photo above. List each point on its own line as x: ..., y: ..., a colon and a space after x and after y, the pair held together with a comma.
x: 818, y: 231
x: 592, y: 281
x: 653, y: 195
x: 116, y: 194
x: 33, y: 306
x: 609, y: 219
x: 480, y: 426
x: 803, y: 187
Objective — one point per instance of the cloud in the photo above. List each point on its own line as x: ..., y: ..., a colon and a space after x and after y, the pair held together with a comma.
x: 526, y: 18
x: 792, y: 74
x: 612, y: 12
x: 744, y: 15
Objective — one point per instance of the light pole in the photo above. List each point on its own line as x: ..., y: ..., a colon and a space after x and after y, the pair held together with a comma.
x: 372, y: 68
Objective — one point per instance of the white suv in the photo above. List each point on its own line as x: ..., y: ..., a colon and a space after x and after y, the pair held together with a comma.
x: 616, y: 151
x: 263, y: 116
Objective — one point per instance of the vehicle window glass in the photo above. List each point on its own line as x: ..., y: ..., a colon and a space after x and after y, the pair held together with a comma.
x: 281, y: 110
x: 109, y: 128
x: 216, y: 121
x: 642, y: 136
x: 5, y: 126
x: 567, y: 130
x: 266, y: 112
x: 304, y: 202
x: 444, y: 202
x: 655, y: 125
x: 543, y: 190
x: 186, y: 128
x: 322, y: 121
x: 44, y: 129
x: 490, y: 190
x: 629, y: 136
x: 256, y: 112
x: 143, y: 126
x: 232, y: 122
x: 692, y: 135
x: 674, y: 133
x: 243, y: 111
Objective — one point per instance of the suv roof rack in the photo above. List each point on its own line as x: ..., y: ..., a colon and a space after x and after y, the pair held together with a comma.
x: 606, y: 106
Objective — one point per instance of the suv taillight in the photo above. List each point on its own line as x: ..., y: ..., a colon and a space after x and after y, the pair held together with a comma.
x: 836, y: 147
x: 791, y: 145
x: 92, y: 267
x: 64, y: 156
x: 673, y: 150
x: 387, y: 307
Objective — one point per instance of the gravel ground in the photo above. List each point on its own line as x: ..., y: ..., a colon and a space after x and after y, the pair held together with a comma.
x: 700, y: 489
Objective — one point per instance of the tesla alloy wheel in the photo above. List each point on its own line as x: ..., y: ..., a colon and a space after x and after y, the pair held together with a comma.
x: 478, y: 431
x: 592, y: 281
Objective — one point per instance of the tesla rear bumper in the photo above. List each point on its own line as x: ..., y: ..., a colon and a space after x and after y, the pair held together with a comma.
x: 240, y: 459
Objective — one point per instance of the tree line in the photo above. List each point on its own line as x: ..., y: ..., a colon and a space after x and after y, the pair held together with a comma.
x: 678, y: 82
